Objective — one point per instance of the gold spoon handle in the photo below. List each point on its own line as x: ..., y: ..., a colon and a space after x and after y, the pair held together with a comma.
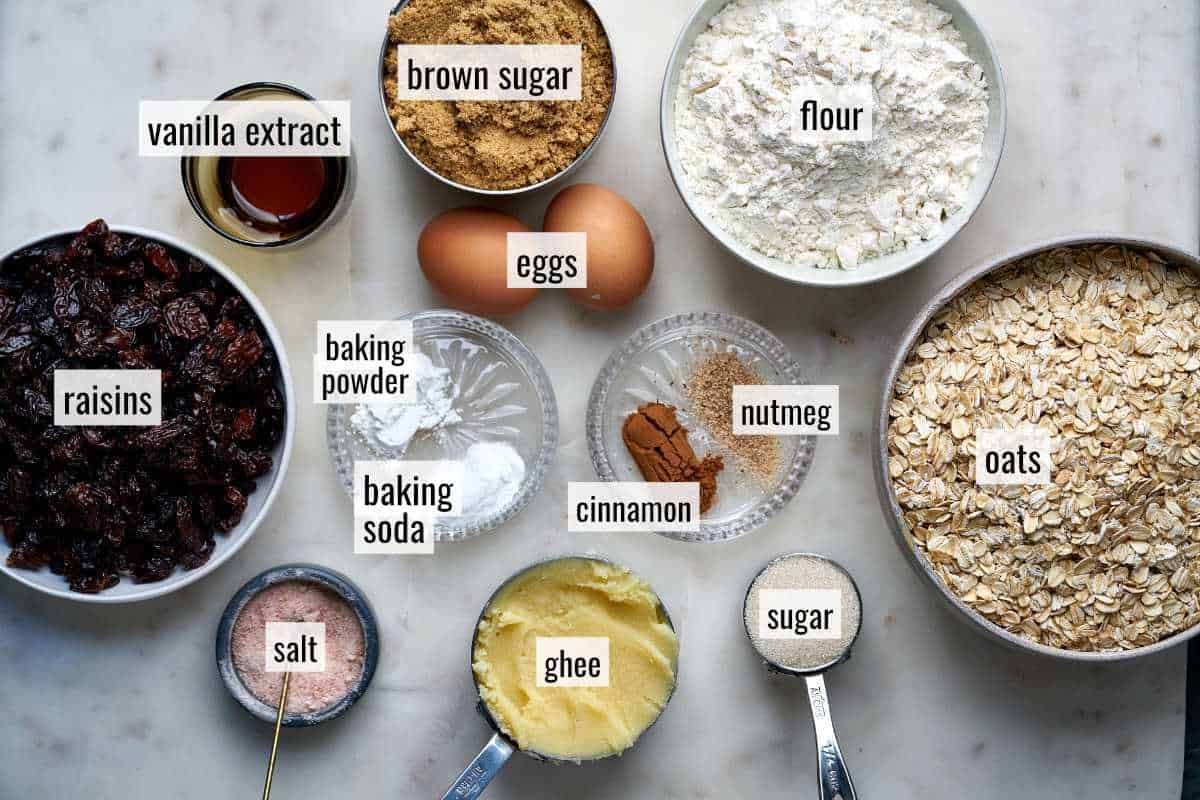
x: 287, y: 678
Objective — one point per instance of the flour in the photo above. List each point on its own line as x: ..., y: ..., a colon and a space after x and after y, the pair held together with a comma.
x: 830, y: 205
x: 427, y: 406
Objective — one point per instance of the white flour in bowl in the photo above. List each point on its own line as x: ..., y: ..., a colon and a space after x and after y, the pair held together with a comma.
x: 830, y: 205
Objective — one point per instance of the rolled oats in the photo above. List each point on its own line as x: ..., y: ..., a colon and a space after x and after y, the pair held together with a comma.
x: 1100, y: 347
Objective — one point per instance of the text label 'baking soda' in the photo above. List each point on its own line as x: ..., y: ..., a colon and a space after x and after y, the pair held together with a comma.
x: 396, y: 503
x: 362, y: 362
x: 295, y: 647
x: 1016, y: 457
x: 99, y: 397
x: 800, y: 614
x: 827, y: 114
x: 571, y: 661
x: 175, y: 128
x: 632, y: 506
x: 489, y: 72
x: 547, y: 260
x: 785, y: 410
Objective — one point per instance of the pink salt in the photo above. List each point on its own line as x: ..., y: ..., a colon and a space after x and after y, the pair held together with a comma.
x: 299, y: 601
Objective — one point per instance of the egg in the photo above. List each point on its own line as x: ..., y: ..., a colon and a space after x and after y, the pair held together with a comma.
x: 620, y: 251
x: 463, y: 254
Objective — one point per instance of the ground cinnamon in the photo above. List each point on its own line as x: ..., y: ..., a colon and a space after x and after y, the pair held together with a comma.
x: 659, y: 445
x: 501, y: 145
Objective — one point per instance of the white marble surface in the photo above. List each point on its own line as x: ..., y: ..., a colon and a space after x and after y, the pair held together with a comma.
x: 125, y: 703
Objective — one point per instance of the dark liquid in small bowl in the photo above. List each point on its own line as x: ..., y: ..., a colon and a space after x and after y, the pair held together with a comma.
x: 281, y: 194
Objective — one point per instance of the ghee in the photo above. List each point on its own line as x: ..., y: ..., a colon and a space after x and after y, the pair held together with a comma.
x: 575, y: 597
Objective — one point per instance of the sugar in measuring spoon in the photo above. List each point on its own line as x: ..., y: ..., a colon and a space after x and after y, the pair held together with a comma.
x: 802, y: 614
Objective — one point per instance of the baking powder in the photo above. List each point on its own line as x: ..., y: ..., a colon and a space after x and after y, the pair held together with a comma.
x: 429, y: 405
x: 830, y: 205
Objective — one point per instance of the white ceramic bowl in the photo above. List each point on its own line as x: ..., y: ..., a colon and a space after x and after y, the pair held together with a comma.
x: 257, y: 504
x: 980, y: 49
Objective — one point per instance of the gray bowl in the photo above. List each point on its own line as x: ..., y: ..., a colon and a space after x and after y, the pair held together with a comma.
x: 980, y: 49
x: 307, y: 573
x: 533, y: 187
x: 883, y: 483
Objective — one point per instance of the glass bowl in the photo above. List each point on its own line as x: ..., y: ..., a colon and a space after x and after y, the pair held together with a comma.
x: 501, y: 392
x: 653, y: 365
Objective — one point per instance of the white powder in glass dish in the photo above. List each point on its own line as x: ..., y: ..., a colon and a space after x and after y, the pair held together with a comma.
x: 428, y: 406
x: 830, y: 205
x: 494, y: 473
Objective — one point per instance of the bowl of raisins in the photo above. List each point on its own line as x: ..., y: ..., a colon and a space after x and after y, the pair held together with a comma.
x: 116, y: 514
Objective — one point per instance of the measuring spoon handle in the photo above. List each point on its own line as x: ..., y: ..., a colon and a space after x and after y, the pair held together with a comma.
x: 479, y: 773
x: 833, y: 778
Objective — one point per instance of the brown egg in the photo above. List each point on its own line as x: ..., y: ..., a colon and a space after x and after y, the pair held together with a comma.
x: 620, y: 248
x: 463, y: 254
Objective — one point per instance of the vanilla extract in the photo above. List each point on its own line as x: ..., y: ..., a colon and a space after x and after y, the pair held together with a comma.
x: 278, y: 194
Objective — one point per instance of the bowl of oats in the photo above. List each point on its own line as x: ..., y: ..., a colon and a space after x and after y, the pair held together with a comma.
x: 1038, y: 447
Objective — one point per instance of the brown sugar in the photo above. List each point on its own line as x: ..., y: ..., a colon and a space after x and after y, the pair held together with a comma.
x: 501, y: 145
x: 659, y: 445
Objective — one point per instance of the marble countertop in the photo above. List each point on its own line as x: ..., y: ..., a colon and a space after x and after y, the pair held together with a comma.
x: 125, y: 702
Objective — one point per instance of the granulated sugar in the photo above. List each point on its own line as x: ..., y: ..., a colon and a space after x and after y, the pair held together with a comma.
x: 299, y: 601
x: 804, y: 572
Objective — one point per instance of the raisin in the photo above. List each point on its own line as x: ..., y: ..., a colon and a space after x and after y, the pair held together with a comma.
x: 160, y: 259
x: 95, y: 231
x: 235, y: 506
x: 15, y: 339
x: 185, y: 319
x: 113, y: 248
x: 241, y: 354
x: 133, y: 313
x: 66, y: 303
x: 243, y: 424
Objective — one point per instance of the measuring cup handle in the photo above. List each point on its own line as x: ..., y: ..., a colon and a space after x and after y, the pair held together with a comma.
x: 833, y: 779
x: 479, y: 773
